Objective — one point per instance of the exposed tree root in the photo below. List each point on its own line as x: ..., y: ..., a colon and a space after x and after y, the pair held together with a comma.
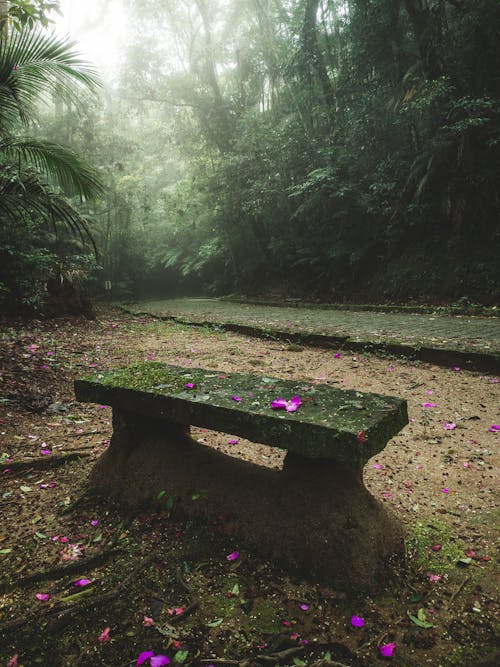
x: 64, y: 616
x: 61, y: 571
x: 53, y: 461
x: 272, y: 658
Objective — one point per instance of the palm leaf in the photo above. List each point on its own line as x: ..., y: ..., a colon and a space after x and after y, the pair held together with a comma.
x: 61, y: 164
x: 26, y: 195
x: 32, y: 65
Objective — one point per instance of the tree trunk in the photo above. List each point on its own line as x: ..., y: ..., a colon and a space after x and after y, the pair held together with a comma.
x: 222, y: 130
x: 312, y: 49
x: 426, y: 29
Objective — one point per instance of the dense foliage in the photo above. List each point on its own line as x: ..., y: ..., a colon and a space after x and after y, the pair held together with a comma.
x: 327, y: 147
x: 339, y: 149
x: 38, y: 178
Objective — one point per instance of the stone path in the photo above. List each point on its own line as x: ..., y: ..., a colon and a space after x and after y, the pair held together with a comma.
x: 472, y: 336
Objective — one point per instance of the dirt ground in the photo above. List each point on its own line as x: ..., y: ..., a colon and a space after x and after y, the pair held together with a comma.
x: 158, y: 583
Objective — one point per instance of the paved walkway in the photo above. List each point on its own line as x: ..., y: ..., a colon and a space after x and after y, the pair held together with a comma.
x: 466, y: 334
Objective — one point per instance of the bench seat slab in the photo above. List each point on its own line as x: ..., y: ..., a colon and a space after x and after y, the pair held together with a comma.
x: 344, y: 425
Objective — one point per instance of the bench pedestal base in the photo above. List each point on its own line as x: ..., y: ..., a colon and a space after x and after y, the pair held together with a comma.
x: 314, y: 516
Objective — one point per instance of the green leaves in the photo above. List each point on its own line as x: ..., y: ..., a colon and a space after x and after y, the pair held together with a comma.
x: 33, y: 65
x: 60, y: 164
x: 31, y: 12
x: 420, y: 619
x: 35, y: 173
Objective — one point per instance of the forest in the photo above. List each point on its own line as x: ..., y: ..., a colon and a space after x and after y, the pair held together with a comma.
x: 249, y: 333
x: 331, y: 150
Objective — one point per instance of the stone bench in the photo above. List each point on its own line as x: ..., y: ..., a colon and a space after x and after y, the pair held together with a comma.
x: 315, y: 514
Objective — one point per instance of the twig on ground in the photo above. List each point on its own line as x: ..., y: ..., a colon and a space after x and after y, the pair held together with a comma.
x: 271, y: 658
x: 65, y: 615
x: 193, y: 601
x: 327, y: 663
x: 280, y: 655
x: 61, y: 571
x: 457, y: 591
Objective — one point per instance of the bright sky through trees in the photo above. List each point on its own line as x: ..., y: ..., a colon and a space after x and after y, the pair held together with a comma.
x: 99, y: 27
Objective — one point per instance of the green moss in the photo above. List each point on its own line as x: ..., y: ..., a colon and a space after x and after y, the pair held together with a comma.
x: 327, y: 423
x: 424, y: 536
x: 142, y: 377
x: 265, y: 618
x: 466, y: 656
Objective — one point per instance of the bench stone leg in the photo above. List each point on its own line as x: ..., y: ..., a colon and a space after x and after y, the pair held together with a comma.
x: 315, y: 517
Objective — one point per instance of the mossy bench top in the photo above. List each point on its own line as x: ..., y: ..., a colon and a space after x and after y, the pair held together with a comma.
x: 345, y: 425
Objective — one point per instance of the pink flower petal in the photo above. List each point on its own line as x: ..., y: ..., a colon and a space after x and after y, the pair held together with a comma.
x: 45, y: 452
x: 434, y: 578
x: 429, y: 405
x: 145, y: 655
x: 289, y: 406
x: 387, y: 649
x: 233, y: 556
x: 287, y: 624
x: 42, y: 596
x: 236, y: 398
x: 94, y: 522
x: 104, y: 636
x: 304, y: 607
x: 13, y: 661
x: 189, y: 385
x: 175, y: 611
x: 494, y: 428
x: 82, y: 582
x: 456, y: 368
x: 445, y: 490
x: 337, y: 355
x: 357, y: 621
x: 159, y: 660
x: 449, y: 426
x: 148, y: 621
x: 233, y: 441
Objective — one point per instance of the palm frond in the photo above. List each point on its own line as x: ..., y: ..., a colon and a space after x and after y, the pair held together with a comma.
x: 26, y: 195
x: 32, y: 65
x: 61, y: 164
